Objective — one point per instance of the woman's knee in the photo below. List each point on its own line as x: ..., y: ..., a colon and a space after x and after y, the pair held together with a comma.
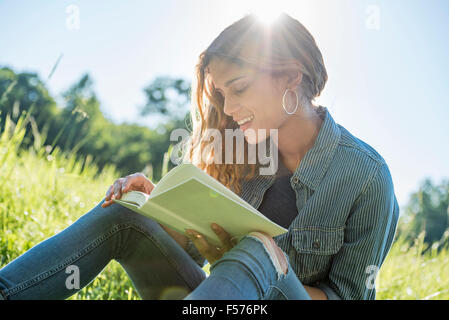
x: 116, y: 214
x: 252, y: 252
x: 275, y: 253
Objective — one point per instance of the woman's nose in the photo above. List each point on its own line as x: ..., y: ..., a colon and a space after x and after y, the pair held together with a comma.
x: 229, y: 108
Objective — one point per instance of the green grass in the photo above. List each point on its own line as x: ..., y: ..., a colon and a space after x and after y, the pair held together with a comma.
x: 408, y: 274
x: 43, y: 193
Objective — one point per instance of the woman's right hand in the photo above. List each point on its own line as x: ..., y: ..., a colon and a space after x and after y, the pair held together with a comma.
x: 136, y: 181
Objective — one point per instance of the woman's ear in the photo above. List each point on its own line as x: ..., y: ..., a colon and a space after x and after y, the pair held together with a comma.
x: 290, y: 78
x: 294, y: 76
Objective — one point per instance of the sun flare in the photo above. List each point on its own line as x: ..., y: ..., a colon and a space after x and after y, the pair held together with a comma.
x: 267, y: 12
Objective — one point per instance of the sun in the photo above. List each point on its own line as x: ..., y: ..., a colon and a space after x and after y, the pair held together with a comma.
x: 266, y: 11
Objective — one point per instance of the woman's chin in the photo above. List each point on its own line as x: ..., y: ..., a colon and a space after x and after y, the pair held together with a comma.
x: 252, y: 137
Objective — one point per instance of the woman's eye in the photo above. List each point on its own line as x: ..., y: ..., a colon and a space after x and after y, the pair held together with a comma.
x: 240, y: 90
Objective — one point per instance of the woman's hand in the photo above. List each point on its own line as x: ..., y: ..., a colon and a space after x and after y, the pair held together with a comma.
x: 136, y: 181
x: 207, y: 250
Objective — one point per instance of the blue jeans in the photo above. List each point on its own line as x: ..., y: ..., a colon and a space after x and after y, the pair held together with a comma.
x: 156, y: 264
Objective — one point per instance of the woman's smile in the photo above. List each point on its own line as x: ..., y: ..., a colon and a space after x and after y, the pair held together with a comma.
x: 245, y: 123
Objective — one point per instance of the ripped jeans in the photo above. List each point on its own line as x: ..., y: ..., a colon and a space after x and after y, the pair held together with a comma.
x: 157, y: 265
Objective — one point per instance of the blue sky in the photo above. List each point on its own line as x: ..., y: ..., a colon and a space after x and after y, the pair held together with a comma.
x: 387, y: 62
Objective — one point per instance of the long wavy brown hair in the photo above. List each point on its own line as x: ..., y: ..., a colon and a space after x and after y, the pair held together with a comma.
x: 277, y: 47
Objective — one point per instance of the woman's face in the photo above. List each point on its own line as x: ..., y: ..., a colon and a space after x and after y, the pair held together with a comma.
x: 248, y: 92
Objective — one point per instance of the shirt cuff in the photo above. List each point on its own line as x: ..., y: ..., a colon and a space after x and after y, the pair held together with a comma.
x: 330, y: 293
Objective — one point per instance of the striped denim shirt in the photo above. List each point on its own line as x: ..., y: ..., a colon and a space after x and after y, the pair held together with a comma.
x: 347, y: 214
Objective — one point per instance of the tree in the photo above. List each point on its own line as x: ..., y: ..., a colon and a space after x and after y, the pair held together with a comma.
x: 25, y: 92
x: 167, y: 97
x: 79, y: 126
x: 428, y: 210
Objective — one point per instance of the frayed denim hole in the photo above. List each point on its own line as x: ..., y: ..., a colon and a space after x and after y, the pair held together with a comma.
x: 279, y: 273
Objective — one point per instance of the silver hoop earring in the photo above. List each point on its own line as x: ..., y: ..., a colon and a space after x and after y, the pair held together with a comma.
x: 283, y: 102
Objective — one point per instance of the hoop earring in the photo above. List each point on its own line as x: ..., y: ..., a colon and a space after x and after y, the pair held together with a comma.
x: 283, y: 102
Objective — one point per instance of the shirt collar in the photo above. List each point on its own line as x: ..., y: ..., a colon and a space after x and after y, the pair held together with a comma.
x: 315, y: 163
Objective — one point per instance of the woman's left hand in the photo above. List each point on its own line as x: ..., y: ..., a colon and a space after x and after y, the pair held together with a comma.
x: 207, y: 250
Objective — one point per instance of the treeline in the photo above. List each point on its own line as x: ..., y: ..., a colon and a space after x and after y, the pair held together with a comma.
x: 427, y: 211
x: 79, y: 126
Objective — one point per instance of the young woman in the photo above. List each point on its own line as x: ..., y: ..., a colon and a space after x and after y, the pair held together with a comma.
x: 332, y: 191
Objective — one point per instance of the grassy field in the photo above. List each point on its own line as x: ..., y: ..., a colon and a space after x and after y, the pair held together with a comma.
x: 43, y: 193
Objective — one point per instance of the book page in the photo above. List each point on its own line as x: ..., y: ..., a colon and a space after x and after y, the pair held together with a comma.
x: 194, y: 205
x: 185, y: 171
x: 134, y: 197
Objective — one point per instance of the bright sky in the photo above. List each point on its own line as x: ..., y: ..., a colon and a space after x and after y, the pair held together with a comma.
x: 387, y: 62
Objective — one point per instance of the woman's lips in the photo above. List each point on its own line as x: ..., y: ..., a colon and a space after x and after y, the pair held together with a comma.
x: 246, y: 125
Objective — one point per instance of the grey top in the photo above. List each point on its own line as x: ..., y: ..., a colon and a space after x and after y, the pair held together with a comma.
x: 279, y: 201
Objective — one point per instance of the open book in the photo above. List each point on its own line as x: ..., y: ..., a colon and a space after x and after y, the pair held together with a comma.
x: 188, y: 198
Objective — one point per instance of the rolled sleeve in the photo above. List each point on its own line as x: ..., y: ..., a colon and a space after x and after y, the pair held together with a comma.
x: 326, y: 288
x: 369, y: 233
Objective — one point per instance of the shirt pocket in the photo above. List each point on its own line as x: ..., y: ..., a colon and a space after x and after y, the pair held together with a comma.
x: 315, y: 248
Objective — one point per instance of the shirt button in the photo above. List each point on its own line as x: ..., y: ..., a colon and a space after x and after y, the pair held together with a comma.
x: 295, y: 180
x: 316, y: 244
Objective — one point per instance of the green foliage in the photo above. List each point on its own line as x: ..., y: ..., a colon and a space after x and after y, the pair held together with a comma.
x: 25, y: 92
x: 428, y: 211
x: 44, y: 194
x: 411, y: 272
x: 79, y: 126
x: 167, y: 96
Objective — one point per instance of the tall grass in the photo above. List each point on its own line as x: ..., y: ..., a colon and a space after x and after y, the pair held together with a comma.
x: 44, y: 190
x: 411, y: 272
x: 41, y: 194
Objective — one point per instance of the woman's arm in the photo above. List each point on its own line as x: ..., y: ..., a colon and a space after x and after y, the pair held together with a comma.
x: 315, y: 293
x: 369, y: 233
x: 179, y: 237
